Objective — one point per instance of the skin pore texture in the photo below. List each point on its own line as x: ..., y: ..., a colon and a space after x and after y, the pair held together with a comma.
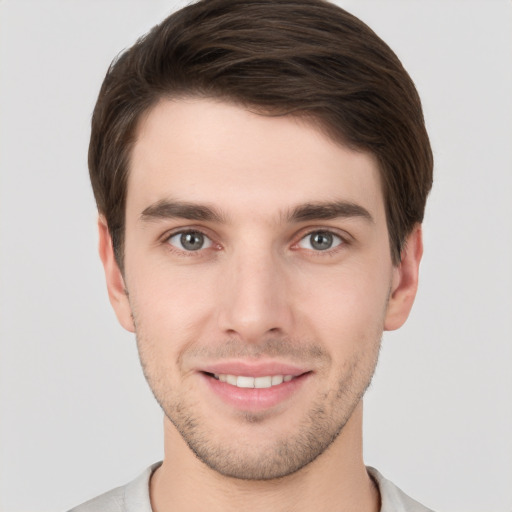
x: 255, y: 246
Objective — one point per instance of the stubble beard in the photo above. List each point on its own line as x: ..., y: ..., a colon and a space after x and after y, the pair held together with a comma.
x: 281, y: 456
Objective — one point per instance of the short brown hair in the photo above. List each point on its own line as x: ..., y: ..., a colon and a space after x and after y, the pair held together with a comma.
x: 298, y: 57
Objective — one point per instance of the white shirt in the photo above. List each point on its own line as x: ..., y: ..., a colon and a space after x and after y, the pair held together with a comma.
x: 134, y: 496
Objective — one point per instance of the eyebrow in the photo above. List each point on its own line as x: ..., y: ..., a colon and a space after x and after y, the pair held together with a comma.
x: 166, y: 209
x: 328, y: 210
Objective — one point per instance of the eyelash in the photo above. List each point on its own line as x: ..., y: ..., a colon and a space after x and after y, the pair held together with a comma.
x: 344, y: 241
x: 182, y: 252
x: 331, y: 251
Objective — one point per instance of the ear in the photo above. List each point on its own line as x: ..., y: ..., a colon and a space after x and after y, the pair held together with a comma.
x: 115, y: 282
x: 405, y: 281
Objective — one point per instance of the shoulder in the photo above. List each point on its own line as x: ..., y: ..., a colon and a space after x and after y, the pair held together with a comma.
x: 132, y: 497
x: 394, y: 499
x: 111, y: 501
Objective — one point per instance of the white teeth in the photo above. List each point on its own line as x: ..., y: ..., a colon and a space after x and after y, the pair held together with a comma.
x: 231, y: 379
x: 277, y: 379
x: 243, y: 381
x: 262, y: 382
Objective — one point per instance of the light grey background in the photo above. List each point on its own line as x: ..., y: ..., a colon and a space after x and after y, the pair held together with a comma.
x: 76, y: 415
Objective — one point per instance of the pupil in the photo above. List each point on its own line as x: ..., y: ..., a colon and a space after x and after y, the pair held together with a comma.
x: 321, y: 241
x: 192, y: 241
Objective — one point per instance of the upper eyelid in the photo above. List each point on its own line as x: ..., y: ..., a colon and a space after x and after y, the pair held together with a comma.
x: 183, y: 231
x: 346, y: 237
x: 199, y: 253
x: 343, y: 241
x: 188, y: 229
x: 210, y: 242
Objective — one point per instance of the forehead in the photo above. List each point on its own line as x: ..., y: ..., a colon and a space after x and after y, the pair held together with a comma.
x: 212, y: 152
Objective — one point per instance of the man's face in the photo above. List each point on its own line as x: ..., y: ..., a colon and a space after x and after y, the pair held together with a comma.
x: 259, y: 281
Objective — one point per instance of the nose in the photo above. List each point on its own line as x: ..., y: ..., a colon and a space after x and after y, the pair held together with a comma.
x: 254, y: 299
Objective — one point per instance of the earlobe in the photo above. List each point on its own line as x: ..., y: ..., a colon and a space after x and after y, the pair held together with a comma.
x: 115, y: 281
x: 405, y: 281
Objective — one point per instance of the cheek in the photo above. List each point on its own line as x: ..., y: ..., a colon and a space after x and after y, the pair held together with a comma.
x: 345, y: 306
x: 170, y: 303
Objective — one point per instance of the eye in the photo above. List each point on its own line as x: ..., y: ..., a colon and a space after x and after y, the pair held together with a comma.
x: 320, y: 241
x: 190, y: 241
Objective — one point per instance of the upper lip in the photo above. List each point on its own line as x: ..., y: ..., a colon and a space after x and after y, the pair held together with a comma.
x: 253, y: 369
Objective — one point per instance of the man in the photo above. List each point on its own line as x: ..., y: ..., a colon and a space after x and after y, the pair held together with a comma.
x: 261, y: 170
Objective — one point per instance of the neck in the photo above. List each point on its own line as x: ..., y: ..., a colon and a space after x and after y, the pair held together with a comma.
x: 336, y: 480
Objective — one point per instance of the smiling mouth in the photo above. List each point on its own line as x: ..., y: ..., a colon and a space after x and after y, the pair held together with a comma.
x: 243, y: 381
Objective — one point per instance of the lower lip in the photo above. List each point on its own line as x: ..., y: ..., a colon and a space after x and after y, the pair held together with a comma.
x: 255, y: 399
